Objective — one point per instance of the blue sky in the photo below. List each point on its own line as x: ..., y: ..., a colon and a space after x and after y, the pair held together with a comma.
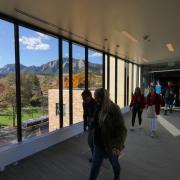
x: 36, y: 48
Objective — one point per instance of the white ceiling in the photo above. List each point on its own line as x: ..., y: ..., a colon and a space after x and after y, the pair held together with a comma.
x: 96, y: 20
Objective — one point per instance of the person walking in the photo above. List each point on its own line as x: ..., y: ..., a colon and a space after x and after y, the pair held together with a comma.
x: 137, y: 104
x: 158, y: 88
x: 110, y: 134
x: 169, y: 98
x: 89, y: 107
x: 153, y: 109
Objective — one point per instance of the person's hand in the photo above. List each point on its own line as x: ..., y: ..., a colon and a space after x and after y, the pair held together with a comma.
x: 116, y: 152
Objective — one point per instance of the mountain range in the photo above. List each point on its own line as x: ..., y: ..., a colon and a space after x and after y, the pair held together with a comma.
x: 52, y: 67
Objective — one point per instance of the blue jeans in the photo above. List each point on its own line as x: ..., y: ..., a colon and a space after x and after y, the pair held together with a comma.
x: 98, y: 156
x: 91, y: 139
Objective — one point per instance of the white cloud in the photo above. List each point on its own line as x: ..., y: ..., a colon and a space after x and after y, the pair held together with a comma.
x: 34, y: 43
x: 43, y: 35
x: 96, y: 54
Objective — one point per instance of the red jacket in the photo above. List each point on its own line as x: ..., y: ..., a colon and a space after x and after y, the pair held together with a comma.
x: 154, y: 100
x: 135, y: 99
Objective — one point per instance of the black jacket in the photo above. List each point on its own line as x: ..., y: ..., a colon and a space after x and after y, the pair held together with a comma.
x: 89, y: 110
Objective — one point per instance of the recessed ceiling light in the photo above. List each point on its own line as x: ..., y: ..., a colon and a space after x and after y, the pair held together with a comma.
x: 129, y: 36
x: 170, y: 47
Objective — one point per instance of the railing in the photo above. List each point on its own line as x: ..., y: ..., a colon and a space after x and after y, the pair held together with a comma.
x: 35, y: 122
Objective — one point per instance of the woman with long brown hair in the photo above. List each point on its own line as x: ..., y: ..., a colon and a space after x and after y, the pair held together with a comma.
x: 110, y: 134
x: 137, y: 104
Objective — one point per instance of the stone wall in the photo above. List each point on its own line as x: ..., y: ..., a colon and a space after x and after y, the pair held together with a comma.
x: 53, y: 98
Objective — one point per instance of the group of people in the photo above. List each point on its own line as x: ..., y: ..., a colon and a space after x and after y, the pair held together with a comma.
x: 153, y: 98
x: 106, y: 130
x: 105, y: 125
x: 152, y: 103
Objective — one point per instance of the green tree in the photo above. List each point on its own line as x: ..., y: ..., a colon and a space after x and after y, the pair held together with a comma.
x: 26, y: 91
x: 8, y: 96
x: 36, y: 93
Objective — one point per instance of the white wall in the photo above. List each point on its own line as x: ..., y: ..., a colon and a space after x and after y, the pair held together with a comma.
x: 120, y: 83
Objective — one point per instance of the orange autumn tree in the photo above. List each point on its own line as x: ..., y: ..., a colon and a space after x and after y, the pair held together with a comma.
x: 78, y: 80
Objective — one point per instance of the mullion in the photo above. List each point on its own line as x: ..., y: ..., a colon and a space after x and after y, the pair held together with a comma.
x: 116, y: 74
x: 18, y: 84
x: 86, y: 68
x: 60, y: 84
x: 70, y: 85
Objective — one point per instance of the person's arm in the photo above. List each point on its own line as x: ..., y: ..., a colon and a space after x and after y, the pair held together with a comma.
x: 142, y: 102
x: 132, y: 102
x: 84, y: 117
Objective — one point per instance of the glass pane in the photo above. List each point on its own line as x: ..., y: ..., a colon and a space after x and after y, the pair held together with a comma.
x: 120, y: 83
x: 135, y: 77
x: 8, y: 122
x: 39, y: 82
x: 95, y: 69
x: 130, y: 82
x: 112, y: 79
x: 66, y: 82
x: 78, y: 81
x: 106, y: 70
x: 139, y: 76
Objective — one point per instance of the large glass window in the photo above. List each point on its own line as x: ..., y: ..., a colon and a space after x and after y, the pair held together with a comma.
x: 95, y: 69
x: 8, y: 122
x: 139, y: 77
x: 78, y: 69
x: 130, y: 82
x: 134, y: 77
x: 120, y: 83
x: 65, y: 55
x: 106, y: 72
x: 39, y: 69
x: 112, y: 79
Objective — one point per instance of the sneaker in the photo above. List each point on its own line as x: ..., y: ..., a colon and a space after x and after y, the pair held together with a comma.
x: 132, y: 128
x: 140, y: 126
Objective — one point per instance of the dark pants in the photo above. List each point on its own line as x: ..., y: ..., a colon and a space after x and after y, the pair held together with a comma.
x: 98, y: 156
x: 91, y: 139
x: 134, y: 112
x: 85, y: 124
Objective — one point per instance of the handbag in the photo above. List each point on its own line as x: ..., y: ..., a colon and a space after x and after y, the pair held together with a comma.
x: 151, y: 113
